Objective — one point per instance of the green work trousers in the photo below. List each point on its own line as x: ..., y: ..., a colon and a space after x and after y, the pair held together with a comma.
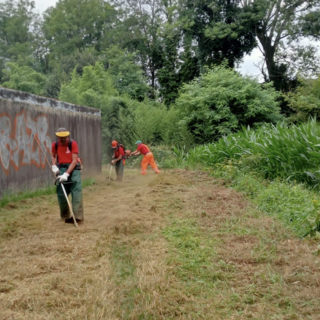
x: 75, y: 188
x: 119, y: 166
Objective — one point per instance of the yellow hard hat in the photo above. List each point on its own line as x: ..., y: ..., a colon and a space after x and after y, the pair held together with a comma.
x: 62, y: 133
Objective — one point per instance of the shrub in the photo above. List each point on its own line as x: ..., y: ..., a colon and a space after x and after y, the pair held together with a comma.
x: 221, y: 101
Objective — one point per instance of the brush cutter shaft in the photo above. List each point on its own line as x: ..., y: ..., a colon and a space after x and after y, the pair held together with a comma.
x: 62, y: 186
x: 111, y: 166
x: 69, y: 205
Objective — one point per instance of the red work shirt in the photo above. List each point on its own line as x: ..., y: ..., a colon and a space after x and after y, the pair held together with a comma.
x: 143, y: 148
x: 64, y: 154
x: 119, y: 152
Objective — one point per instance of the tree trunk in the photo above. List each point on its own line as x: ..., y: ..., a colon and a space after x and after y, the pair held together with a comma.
x: 274, y: 74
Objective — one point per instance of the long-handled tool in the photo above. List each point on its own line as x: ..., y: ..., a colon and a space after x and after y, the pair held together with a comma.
x: 69, y: 204
x: 111, y: 166
x: 62, y: 186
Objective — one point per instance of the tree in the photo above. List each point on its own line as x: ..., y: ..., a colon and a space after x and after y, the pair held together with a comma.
x: 64, y: 68
x: 301, y: 60
x: 95, y: 88
x: 220, y: 101
x: 140, y: 32
x: 127, y: 76
x: 90, y: 88
x: 305, y: 100
x: 218, y: 31
x: 18, y: 30
x: 23, y: 78
x: 168, y: 74
x: 74, y: 25
x: 310, y: 24
x: 274, y: 21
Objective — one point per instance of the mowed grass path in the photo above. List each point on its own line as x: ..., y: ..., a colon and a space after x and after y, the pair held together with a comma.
x: 173, y: 246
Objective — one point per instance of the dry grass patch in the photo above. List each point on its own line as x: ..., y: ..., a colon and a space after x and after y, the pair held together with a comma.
x: 171, y: 246
x: 274, y: 273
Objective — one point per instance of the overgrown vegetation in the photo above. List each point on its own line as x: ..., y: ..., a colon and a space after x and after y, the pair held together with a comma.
x: 291, y: 153
x: 276, y: 166
x: 163, y: 72
x: 221, y: 101
x: 295, y: 205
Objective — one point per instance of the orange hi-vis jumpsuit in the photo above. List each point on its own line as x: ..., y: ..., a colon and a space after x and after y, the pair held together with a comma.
x: 147, y: 159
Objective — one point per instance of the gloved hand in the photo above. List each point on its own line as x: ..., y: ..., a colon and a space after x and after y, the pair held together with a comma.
x: 64, y: 177
x: 112, y: 162
x: 55, y: 169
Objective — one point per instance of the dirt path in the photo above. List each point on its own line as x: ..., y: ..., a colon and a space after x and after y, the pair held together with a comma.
x: 172, y: 246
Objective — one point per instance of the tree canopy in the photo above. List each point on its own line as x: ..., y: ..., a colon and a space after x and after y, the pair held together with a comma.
x: 167, y: 63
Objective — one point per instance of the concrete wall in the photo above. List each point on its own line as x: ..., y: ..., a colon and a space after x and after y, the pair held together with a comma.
x: 22, y: 116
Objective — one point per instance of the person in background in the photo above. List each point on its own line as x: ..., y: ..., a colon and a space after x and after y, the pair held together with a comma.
x: 118, y: 159
x: 147, y: 158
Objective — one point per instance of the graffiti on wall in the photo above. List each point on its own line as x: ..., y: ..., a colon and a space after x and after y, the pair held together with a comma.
x: 18, y: 144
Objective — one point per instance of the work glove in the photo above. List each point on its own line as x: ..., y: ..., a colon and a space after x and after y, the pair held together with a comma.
x: 64, y: 177
x: 55, y: 169
x: 112, y: 162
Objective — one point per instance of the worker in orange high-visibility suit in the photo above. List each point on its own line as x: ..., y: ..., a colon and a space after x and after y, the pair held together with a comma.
x: 147, y: 158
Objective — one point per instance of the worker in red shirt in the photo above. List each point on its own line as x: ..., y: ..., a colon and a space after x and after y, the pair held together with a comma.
x: 65, y: 164
x: 118, y: 159
x: 147, y: 158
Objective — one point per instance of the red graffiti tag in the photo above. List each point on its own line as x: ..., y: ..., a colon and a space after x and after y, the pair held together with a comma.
x: 18, y: 146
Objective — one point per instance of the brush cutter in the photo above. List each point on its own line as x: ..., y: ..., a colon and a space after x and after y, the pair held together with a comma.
x: 66, y: 196
x: 62, y: 184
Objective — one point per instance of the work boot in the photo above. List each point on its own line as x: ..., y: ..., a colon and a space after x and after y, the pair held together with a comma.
x: 69, y: 220
x: 79, y: 221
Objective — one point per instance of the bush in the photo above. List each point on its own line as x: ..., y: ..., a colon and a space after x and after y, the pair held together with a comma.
x: 221, y: 101
x: 305, y: 100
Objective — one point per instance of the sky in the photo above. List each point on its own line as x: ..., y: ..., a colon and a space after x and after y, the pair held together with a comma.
x: 246, y: 68
x: 42, y: 5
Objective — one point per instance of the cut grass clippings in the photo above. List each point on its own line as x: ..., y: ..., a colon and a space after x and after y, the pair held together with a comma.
x: 12, y: 207
x: 177, y: 246
x: 23, y: 195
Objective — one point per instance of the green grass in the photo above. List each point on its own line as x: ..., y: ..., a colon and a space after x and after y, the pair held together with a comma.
x: 295, y: 205
x: 207, y: 276
x: 278, y: 167
x: 291, y: 153
x: 22, y: 195
x: 193, y: 254
x: 122, y: 260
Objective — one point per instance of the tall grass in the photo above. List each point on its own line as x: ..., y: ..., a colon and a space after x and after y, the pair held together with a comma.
x: 291, y: 153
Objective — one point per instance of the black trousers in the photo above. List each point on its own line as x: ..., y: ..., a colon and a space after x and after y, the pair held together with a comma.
x: 119, y: 166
